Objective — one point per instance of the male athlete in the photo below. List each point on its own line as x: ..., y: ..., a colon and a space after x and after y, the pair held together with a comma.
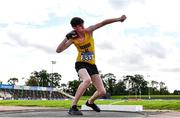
x: 85, y: 65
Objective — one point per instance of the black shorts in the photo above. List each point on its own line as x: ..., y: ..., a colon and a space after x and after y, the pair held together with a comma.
x: 91, y: 68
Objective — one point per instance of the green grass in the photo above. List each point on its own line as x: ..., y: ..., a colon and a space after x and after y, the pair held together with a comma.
x: 41, y: 103
x: 142, y: 96
x: 147, y: 104
x: 147, y: 96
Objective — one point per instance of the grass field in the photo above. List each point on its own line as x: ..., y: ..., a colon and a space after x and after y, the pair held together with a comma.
x: 147, y: 96
x: 147, y: 104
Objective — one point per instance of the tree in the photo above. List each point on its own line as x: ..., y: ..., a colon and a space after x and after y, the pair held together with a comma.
x: 12, y: 81
x: 38, y: 79
x: 176, y: 92
x: 73, y: 86
x: 163, y: 89
x: 140, y: 84
x: 128, y: 83
x: 42, y: 78
x: 135, y: 84
x: 120, y: 88
x: 55, y: 79
x: 154, y: 86
x: 32, y: 81
x: 110, y: 82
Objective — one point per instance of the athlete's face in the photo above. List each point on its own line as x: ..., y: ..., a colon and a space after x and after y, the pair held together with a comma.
x: 79, y: 28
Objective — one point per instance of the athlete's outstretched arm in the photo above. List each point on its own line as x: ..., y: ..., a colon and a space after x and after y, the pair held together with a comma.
x: 105, y: 22
x: 63, y: 45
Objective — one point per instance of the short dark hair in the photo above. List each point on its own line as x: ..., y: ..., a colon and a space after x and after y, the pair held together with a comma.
x: 76, y: 21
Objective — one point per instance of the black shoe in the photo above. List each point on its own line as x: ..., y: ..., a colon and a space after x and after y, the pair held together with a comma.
x: 93, y: 106
x: 74, y: 111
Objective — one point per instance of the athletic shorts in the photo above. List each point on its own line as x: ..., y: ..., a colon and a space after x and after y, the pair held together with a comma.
x: 91, y: 68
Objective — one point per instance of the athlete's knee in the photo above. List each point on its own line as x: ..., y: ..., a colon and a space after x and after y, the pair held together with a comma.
x: 102, y: 92
x: 87, y: 81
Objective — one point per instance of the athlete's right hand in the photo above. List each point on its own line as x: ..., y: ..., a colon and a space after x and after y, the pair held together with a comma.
x: 71, y: 35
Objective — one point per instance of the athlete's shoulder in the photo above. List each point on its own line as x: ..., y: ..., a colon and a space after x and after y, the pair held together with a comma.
x: 88, y: 32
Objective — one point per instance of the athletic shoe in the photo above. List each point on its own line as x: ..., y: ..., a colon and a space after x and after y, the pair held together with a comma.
x: 93, y: 106
x: 74, y: 111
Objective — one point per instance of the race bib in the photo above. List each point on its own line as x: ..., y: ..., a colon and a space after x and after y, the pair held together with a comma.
x: 87, y: 56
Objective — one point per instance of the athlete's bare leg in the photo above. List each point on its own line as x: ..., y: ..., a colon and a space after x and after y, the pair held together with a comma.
x: 100, y: 90
x: 84, y: 76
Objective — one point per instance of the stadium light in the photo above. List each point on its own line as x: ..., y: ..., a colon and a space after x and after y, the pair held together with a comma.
x: 149, y: 91
x: 51, y: 83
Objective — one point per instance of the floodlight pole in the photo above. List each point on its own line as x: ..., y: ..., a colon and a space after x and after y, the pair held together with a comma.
x: 51, y: 83
x: 149, y: 92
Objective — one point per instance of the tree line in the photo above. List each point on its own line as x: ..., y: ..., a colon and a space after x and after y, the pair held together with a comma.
x: 128, y: 85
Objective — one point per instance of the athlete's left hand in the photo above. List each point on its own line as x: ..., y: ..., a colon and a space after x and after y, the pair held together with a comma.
x: 71, y: 35
x: 122, y: 18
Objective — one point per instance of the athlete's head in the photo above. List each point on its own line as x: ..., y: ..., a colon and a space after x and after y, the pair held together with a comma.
x: 76, y: 21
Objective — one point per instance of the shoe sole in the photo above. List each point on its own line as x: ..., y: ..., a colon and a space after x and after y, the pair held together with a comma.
x: 74, y: 114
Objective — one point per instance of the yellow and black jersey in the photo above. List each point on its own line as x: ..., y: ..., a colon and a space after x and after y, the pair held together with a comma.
x: 86, y: 50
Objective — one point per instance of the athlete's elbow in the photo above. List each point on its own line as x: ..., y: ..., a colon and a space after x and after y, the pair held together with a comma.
x: 58, y: 50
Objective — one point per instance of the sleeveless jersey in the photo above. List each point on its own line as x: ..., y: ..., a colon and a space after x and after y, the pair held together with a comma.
x: 86, y: 50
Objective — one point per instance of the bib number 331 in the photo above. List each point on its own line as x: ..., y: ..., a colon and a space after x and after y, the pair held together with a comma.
x: 86, y: 56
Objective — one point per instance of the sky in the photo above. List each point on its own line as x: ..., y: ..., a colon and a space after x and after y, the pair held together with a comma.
x: 147, y: 43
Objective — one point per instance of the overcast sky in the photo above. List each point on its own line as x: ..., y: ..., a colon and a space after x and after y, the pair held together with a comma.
x: 147, y: 43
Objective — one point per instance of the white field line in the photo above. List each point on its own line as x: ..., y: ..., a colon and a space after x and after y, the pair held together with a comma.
x: 119, y: 101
